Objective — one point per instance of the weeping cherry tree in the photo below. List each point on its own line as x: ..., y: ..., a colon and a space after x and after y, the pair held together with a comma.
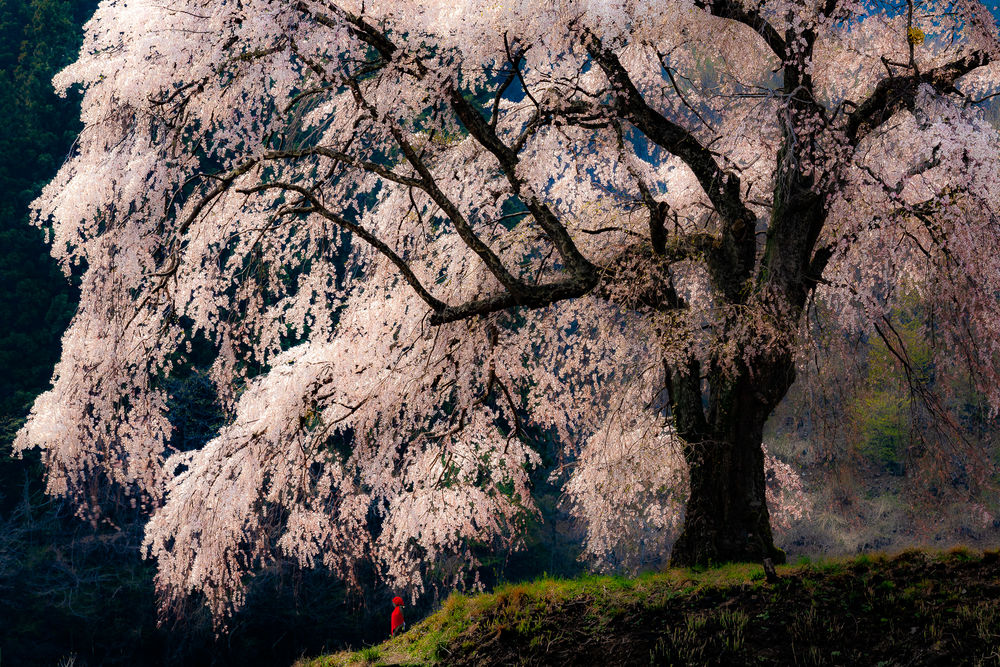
x: 418, y: 236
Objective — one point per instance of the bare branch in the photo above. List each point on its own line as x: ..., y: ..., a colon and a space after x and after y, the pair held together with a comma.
x: 735, y: 11
x: 535, y: 297
x: 543, y: 215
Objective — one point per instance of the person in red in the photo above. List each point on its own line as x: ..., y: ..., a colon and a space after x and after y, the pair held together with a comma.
x: 397, y: 616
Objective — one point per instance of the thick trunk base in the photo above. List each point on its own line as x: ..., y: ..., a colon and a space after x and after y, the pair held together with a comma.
x: 726, y: 518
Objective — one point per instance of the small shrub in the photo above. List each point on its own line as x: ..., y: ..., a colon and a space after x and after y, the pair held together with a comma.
x: 370, y: 654
x: 961, y: 553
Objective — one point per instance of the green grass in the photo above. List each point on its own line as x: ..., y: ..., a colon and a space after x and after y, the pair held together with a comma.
x: 909, y: 608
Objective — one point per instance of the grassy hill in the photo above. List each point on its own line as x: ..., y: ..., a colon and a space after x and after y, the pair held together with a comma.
x: 913, y: 608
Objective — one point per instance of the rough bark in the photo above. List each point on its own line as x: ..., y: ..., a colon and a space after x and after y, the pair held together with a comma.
x: 727, y: 517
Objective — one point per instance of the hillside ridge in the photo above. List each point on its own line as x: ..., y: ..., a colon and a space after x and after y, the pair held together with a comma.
x: 911, y: 608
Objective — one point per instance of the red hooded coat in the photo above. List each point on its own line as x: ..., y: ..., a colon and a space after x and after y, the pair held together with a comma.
x: 397, y: 615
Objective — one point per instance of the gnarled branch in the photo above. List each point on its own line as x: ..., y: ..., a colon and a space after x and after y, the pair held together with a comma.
x: 722, y: 188
x: 894, y: 94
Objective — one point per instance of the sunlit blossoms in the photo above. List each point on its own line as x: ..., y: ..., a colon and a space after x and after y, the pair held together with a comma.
x: 419, y: 237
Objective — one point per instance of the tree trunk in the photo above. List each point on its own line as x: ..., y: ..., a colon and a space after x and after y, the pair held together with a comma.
x: 727, y: 517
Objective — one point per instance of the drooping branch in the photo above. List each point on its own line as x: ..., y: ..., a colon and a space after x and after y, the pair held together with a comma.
x: 318, y: 207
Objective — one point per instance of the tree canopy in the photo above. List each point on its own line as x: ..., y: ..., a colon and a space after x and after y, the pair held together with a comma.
x: 417, y: 234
